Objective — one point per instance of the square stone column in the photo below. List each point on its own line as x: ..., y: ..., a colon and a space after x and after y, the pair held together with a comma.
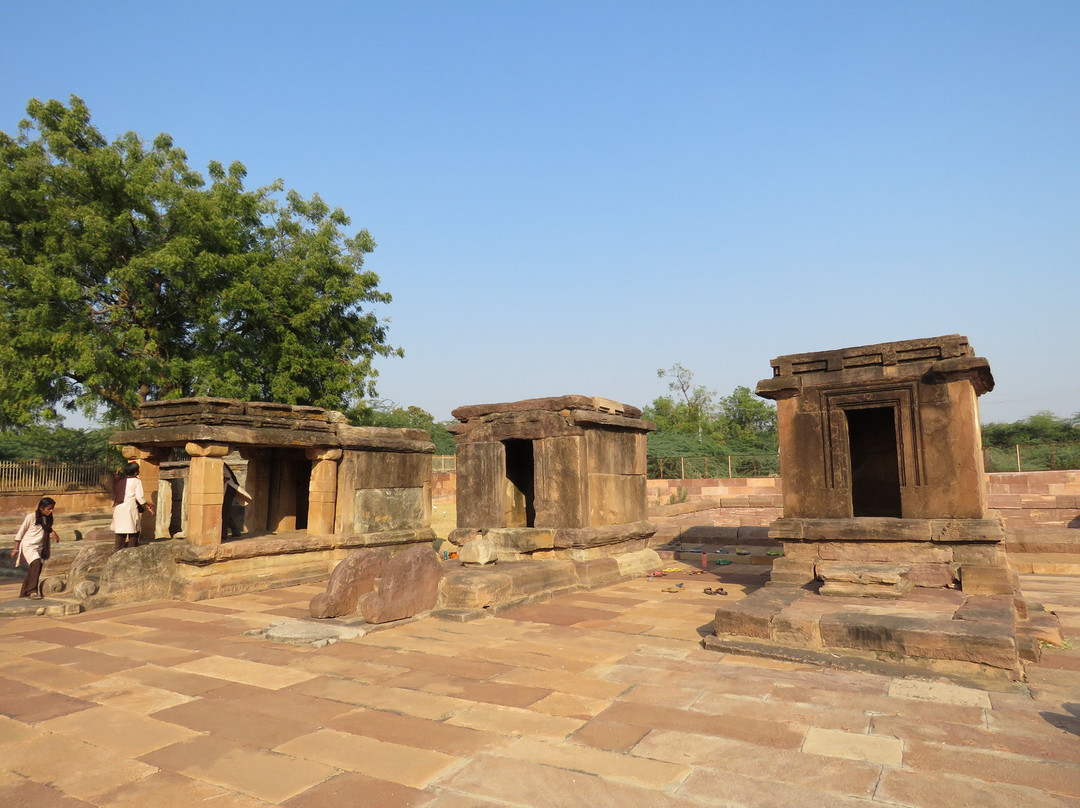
x: 258, y: 486
x: 206, y: 492
x: 149, y: 461
x: 322, y: 490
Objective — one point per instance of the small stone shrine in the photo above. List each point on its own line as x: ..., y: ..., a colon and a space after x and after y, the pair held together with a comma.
x: 555, y: 480
x: 890, y: 552
x: 318, y: 487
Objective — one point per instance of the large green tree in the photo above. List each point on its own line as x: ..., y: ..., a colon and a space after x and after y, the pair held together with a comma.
x: 126, y: 277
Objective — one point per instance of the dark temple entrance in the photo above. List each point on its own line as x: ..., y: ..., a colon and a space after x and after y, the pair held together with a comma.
x: 520, y: 488
x: 875, y: 468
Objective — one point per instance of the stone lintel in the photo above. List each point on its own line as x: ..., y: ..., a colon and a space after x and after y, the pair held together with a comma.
x: 297, y: 543
x: 550, y: 404
x: 379, y: 439
x: 202, y: 449
x: 883, y: 354
x: 587, y: 418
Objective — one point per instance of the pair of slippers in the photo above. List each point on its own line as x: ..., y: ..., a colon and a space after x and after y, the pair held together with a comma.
x: 717, y: 591
x: 676, y: 588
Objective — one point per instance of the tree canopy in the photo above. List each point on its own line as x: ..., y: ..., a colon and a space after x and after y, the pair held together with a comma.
x: 740, y: 423
x: 1042, y: 427
x: 126, y: 277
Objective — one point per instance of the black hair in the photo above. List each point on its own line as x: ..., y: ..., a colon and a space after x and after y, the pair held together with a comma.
x: 42, y: 519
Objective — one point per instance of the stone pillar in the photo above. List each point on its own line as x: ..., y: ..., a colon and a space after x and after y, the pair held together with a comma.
x: 258, y: 485
x: 322, y: 490
x: 206, y: 492
x: 149, y: 461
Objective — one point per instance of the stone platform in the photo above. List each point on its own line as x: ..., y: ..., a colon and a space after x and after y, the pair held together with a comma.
x: 466, y: 593
x: 943, y: 632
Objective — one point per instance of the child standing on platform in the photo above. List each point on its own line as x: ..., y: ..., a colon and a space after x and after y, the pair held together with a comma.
x: 32, y: 545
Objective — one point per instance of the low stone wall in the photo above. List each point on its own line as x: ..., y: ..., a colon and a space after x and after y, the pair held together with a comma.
x: 67, y: 502
x: 1026, y: 499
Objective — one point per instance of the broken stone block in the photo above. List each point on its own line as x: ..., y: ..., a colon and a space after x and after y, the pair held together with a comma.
x: 351, y: 579
x: 478, y: 552
x: 408, y: 585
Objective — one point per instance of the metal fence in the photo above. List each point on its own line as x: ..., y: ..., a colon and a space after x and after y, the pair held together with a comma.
x: 690, y: 468
x: 20, y: 476
x: 1032, y: 457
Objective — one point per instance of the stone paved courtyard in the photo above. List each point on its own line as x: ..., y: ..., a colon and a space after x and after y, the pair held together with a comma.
x: 602, y: 698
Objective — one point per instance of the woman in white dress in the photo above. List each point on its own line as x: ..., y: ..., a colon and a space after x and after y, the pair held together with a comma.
x: 32, y: 545
x: 128, y: 503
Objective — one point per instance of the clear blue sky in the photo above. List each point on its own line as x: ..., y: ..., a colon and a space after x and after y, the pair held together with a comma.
x: 568, y: 196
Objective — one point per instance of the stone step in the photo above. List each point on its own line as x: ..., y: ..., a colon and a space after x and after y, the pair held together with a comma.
x: 1045, y: 563
x: 757, y: 556
x: 1043, y: 540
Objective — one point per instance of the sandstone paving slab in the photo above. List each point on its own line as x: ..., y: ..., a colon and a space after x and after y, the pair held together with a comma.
x: 767, y: 734
x: 325, y: 663
x: 129, y: 694
x: 670, y: 696
x: 122, y: 732
x: 62, y: 635
x: 940, y: 692
x: 47, y: 757
x: 45, y: 675
x: 606, y: 735
x: 1062, y: 747
x: 239, y: 670
x: 523, y: 782
x: 920, y: 790
x: 285, y: 703
x: 814, y: 772
x: 735, y: 707
x: 224, y: 720
x: 512, y: 654
x: 409, y: 702
x: 1062, y: 779
x: 20, y: 646
x: 421, y: 733
x: 165, y: 789
x: 165, y: 678
x: 724, y: 788
x: 584, y: 685
x: 258, y: 773
x: 23, y: 793
x: 30, y: 704
x: 569, y: 705
x: 407, y: 765
x: 460, y: 667
x: 931, y: 711
x: 514, y: 721
x: 350, y: 788
x: 878, y: 749
x: 84, y: 660
x: 137, y: 649
x: 628, y: 769
x: 472, y: 689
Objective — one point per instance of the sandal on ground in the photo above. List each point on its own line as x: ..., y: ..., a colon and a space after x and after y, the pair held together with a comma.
x: 718, y: 591
x: 34, y: 596
x: 672, y: 589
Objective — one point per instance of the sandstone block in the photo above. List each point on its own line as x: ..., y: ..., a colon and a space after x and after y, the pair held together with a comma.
x: 409, y: 585
x: 976, y: 579
x: 792, y: 571
x: 752, y: 616
x: 478, y: 552
x: 351, y: 579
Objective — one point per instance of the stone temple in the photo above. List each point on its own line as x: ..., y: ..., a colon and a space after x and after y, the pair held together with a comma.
x: 890, y: 551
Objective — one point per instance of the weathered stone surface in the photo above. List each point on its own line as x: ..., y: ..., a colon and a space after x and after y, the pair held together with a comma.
x: 850, y: 589
x: 139, y: 573
x: 893, y: 552
x: 792, y: 571
x: 989, y: 608
x: 752, y: 616
x: 867, y: 573
x: 976, y: 579
x: 985, y: 643
x: 353, y: 578
x: 408, y: 585
x: 460, y: 589
x: 478, y: 552
x: 379, y: 509
x: 521, y: 540
x: 934, y: 575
